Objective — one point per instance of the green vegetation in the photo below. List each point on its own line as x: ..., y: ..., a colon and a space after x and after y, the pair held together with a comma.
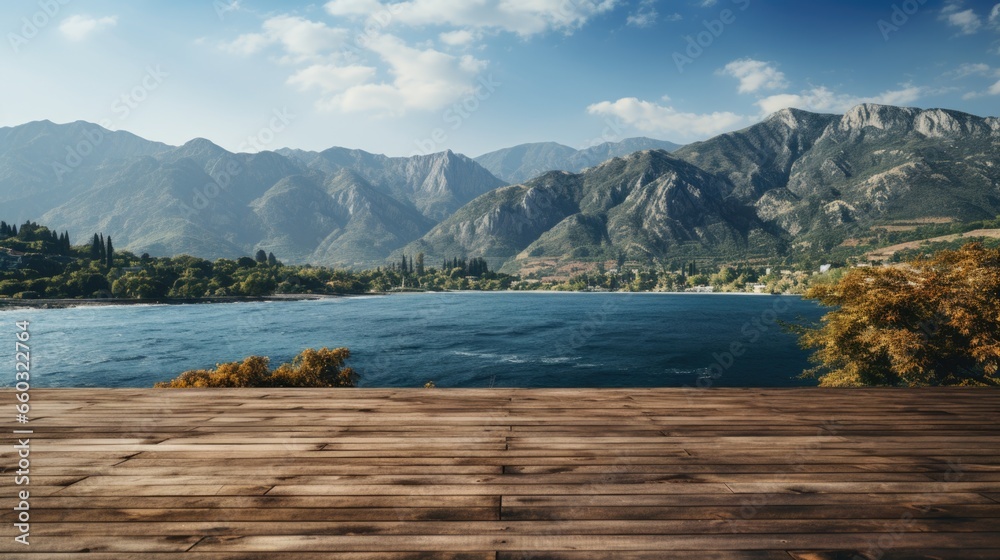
x: 44, y: 265
x: 311, y: 368
x: 931, y: 321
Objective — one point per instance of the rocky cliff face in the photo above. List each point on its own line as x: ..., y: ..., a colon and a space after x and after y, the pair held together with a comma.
x: 648, y: 204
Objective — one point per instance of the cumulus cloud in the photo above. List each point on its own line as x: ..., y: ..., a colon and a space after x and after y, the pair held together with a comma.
x: 329, y: 78
x: 425, y: 79
x: 457, y: 38
x: 301, y: 38
x: 79, y: 27
x: 523, y: 17
x: 967, y: 21
x: 644, y: 16
x: 755, y: 75
x: 824, y: 100
x: 665, y: 120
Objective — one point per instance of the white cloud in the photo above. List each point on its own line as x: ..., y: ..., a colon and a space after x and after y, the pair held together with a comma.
x: 329, y: 78
x: 992, y: 90
x: 457, y: 38
x: 755, y: 75
x: 523, y: 17
x: 645, y: 15
x: 667, y: 121
x: 708, y: 3
x: 301, y: 38
x: 969, y: 69
x: 421, y: 79
x: 823, y: 100
x: 967, y: 21
x: 78, y: 27
x: 674, y: 17
x: 353, y: 7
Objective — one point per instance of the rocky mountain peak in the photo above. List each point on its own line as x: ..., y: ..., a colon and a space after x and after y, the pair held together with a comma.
x: 883, y: 117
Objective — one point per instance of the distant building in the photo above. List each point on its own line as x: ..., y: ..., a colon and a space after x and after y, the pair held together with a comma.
x: 701, y: 289
x: 823, y: 269
x: 10, y: 259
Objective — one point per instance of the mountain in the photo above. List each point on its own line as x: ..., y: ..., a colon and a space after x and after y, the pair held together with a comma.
x: 649, y: 205
x: 527, y: 161
x: 824, y: 177
x: 337, y: 207
x: 436, y: 184
x: 797, y: 181
x: 43, y: 164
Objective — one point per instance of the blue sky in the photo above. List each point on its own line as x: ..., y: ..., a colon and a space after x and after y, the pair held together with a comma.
x: 418, y: 76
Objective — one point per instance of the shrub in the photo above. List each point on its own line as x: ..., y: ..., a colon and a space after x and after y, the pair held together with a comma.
x: 311, y: 368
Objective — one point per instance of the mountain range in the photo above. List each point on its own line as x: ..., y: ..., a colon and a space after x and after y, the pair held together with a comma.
x: 527, y: 161
x: 795, y: 181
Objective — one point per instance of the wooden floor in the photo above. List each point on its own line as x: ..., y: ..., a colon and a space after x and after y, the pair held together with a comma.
x: 508, y: 474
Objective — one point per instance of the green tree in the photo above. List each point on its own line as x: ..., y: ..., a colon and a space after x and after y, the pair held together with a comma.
x: 95, y: 249
x: 420, y: 264
x: 260, y: 257
x: 110, y: 254
x: 929, y: 322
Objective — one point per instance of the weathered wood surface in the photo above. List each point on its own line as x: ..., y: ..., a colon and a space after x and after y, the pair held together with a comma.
x: 586, y: 474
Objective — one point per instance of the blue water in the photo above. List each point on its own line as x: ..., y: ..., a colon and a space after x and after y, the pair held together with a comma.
x: 454, y: 339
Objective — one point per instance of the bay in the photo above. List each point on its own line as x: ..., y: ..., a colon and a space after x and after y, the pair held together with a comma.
x: 465, y: 339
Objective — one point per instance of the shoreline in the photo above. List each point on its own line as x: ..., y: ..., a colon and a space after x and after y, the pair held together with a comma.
x: 16, y: 304
x: 7, y: 304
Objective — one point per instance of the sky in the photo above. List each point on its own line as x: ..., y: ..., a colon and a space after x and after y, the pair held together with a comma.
x: 405, y: 77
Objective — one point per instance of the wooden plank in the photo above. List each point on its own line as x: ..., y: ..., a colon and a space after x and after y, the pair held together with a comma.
x: 507, y: 473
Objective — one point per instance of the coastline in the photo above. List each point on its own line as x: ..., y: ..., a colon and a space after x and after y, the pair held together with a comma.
x: 7, y: 304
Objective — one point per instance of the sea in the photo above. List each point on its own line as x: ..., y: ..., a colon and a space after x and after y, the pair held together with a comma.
x: 454, y: 339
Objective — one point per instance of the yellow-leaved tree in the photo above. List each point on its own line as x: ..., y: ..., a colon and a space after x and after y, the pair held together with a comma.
x: 311, y: 368
x: 933, y: 321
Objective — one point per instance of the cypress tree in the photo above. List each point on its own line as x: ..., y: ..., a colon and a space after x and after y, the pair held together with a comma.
x: 104, y: 252
x: 95, y: 249
x: 111, y: 253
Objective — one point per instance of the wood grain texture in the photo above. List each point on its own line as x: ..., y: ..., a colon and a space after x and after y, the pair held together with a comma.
x: 512, y: 474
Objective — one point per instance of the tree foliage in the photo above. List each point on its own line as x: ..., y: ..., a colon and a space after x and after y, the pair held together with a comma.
x: 933, y: 321
x: 311, y: 368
